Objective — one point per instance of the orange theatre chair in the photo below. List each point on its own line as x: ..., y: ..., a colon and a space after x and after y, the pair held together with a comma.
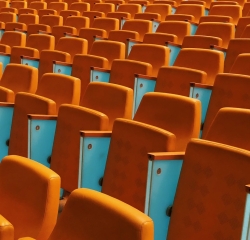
x: 100, y: 106
x: 130, y: 143
x: 65, y: 51
x: 33, y: 8
x: 29, y: 198
x: 190, y: 67
x: 101, y: 55
x: 46, y: 101
x: 101, y: 27
x: 46, y: 23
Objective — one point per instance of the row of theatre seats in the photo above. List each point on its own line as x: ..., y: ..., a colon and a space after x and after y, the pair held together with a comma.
x: 153, y: 117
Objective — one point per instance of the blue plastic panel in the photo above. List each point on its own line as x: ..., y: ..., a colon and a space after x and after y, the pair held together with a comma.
x: 173, y: 10
x: 32, y: 63
x: 6, y: 114
x: 66, y: 70
x: 246, y: 222
x: 96, y: 76
x: 129, y: 46
x: 174, y: 52
x: 1, y: 33
x: 193, y: 29
x: 40, y: 139
x: 163, y: 177
x: 202, y: 94
x: 4, y: 60
x: 143, y: 8
x: 93, y: 157
x: 155, y: 26
x: 141, y: 87
x: 122, y: 22
x: 206, y: 12
x: 97, y: 39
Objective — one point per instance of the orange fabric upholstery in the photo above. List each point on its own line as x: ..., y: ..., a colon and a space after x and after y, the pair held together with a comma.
x: 216, y: 18
x: 26, y: 103
x: 92, y: 15
x: 140, y: 26
x: 242, y: 23
x: 89, y: 33
x: 60, y: 88
x: 7, y: 17
x: 201, y: 41
x: 191, y: 12
x: 46, y: 24
x: 123, y: 36
x: 65, y: 154
x: 103, y: 217
x: 6, y: 229
x: 106, y: 24
x: 80, y: 6
x: 230, y: 126
x: 109, y: 49
x: 230, y: 90
x: 81, y: 67
x: 29, y: 196
x: 162, y: 10
x: 198, y: 59
x: 123, y: 71
x: 130, y: 8
x: 46, y: 60
x: 104, y: 7
x: 33, y: 7
x: 66, y: 13
x: 113, y: 100
x: 10, y: 39
x: 211, y: 187
x: 59, y: 31
x: 173, y: 29
x: 11, y: 83
x: 177, y: 114
x: 176, y: 80
x: 159, y: 38
x: 224, y: 31
x: 127, y: 158
x: 240, y: 65
x: 77, y: 22
x: 72, y: 46
x: 147, y: 53
x: 35, y: 44
x: 23, y: 21
x: 235, y: 47
x: 233, y: 11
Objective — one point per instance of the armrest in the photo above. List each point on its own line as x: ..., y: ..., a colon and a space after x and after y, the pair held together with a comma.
x: 163, y: 175
x: 41, y: 133
x: 174, y: 51
x: 62, y: 68
x: 94, y: 147
x: 7, y: 95
x: 143, y: 84
x: 6, y: 229
x: 20, y: 30
x: 43, y: 32
x: 66, y: 34
x: 6, y: 115
x: 31, y: 61
x: 246, y: 220
x: 194, y: 26
x: 203, y: 93
x: 220, y: 49
x: 99, y: 74
x: 4, y: 59
x: 96, y: 37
